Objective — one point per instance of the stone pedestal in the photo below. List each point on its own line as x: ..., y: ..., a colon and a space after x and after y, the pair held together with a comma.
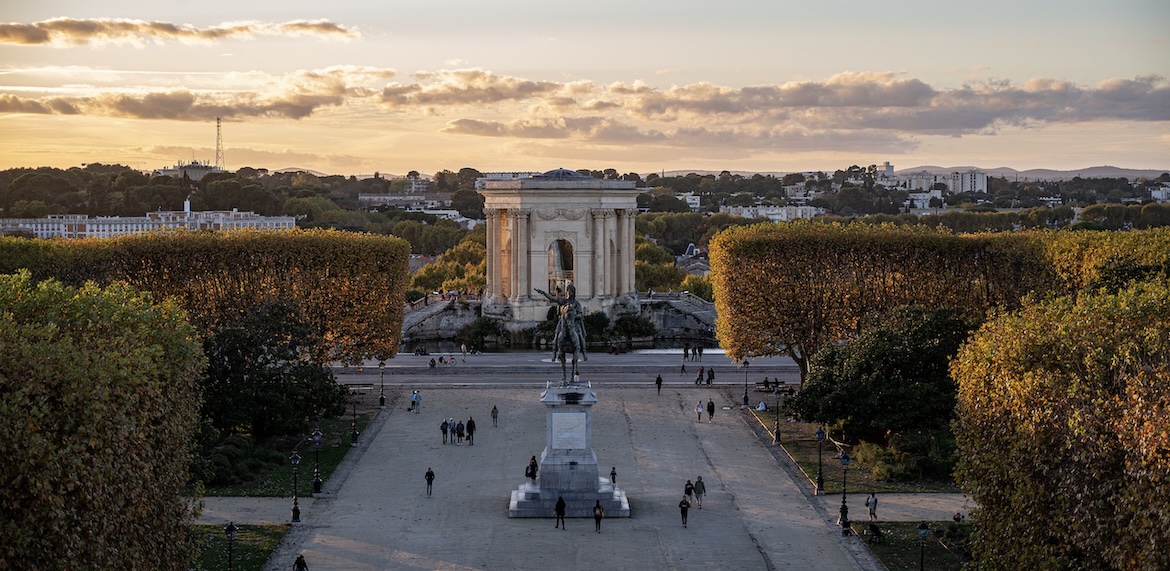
x: 568, y: 465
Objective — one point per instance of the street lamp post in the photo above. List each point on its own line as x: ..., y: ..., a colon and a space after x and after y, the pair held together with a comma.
x: 382, y: 381
x: 353, y: 433
x: 776, y: 428
x: 745, y: 381
x: 317, y: 461
x: 923, y: 531
x: 820, y: 476
x: 295, y: 459
x: 230, y: 531
x: 844, y: 478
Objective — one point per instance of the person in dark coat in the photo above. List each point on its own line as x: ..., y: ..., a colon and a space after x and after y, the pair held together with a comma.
x: 430, y: 480
x: 683, y: 506
x: 688, y: 490
x: 495, y: 416
x: 443, y: 428
x: 598, y: 514
x: 710, y: 409
x: 470, y: 431
x: 560, y: 511
x: 459, y: 433
x: 658, y: 382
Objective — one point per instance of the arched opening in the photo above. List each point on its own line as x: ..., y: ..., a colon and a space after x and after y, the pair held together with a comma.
x: 560, y: 266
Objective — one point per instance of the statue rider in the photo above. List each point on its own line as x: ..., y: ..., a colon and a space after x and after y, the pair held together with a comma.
x: 570, y: 331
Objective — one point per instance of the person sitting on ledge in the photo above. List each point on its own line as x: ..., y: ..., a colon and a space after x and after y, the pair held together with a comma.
x: 761, y: 407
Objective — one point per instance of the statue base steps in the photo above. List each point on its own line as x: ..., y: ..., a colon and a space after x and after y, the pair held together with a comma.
x: 529, y: 500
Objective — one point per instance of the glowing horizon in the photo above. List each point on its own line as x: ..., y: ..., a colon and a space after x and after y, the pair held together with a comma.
x: 359, y: 88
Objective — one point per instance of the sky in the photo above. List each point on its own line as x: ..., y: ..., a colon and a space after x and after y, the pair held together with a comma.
x: 360, y: 86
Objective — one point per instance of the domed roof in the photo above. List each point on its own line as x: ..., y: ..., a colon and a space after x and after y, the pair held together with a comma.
x: 562, y: 174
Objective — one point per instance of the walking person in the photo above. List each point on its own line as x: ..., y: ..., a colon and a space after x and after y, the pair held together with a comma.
x: 699, y: 351
x: 470, y: 431
x: 710, y: 409
x: 871, y: 503
x: 613, y: 475
x: 683, y: 507
x: 300, y: 564
x: 688, y: 491
x: 686, y: 352
x: 430, y: 479
x: 598, y: 514
x: 451, y: 429
x: 699, y: 377
x: 658, y: 383
x: 495, y: 416
x: 700, y: 490
x: 443, y: 428
x: 699, y: 411
x: 560, y: 511
x: 417, y: 402
x: 710, y: 375
x: 459, y: 428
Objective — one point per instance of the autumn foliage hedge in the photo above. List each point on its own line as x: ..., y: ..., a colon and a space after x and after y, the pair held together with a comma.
x: 97, y: 399
x: 350, y: 286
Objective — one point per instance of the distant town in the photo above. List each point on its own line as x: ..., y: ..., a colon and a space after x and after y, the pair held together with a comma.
x: 97, y: 201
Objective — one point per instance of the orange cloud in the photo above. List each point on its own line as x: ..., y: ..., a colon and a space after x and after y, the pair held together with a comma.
x: 97, y: 31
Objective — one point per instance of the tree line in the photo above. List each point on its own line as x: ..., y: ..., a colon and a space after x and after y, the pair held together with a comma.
x: 1039, y: 361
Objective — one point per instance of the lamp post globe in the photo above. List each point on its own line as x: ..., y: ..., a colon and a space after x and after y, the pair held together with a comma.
x: 923, y: 531
x: 230, y: 531
x: 844, y: 479
x: 382, y: 381
x: 295, y: 460
x: 317, y: 461
x: 820, y: 475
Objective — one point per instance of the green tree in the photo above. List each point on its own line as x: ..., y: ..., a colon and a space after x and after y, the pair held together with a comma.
x: 891, y: 379
x: 261, y: 379
x: 99, y: 399
x: 469, y: 203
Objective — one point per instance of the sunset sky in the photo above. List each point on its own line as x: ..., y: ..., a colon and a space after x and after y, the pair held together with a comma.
x: 354, y: 86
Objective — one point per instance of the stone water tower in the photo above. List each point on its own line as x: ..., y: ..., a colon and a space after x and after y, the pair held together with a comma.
x: 552, y: 230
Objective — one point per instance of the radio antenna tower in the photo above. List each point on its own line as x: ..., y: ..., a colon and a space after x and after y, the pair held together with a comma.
x: 218, y: 146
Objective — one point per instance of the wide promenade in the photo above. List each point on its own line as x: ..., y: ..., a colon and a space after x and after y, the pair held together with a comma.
x: 375, y: 513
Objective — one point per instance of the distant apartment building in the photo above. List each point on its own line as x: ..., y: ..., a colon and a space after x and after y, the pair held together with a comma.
x: 774, y: 213
x: 404, y: 201
x: 194, y: 170
x: 690, y: 198
x: 78, y: 226
x: 418, y: 185
x: 956, y: 182
x: 481, y: 182
x: 1161, y: 194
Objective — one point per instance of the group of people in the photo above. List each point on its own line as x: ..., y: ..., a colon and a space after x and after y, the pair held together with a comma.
x: 415, y: 402
x: 692, y: 352
x: 454, y: 431
x: 692, y: 495
x: 710, y: 376
x: 710, y: 410
x: 559, y: 512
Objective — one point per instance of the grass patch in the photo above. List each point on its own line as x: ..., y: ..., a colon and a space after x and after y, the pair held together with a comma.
x: 945, y: 549
x: 277, y: 481
x: 799, y: 439
x: 253, y: 546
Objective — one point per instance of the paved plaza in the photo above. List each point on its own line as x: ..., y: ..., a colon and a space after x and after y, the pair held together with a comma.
x: 375, y: 513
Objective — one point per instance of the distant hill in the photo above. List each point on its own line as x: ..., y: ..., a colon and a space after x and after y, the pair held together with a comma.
x: 1045, y: 174
x: 1006, y: 172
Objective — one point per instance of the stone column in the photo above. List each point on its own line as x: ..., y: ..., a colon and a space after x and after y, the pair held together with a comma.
x: 630, y: 216
x: 520, y: 253
x: 598, y: 262
x: 493, y: 227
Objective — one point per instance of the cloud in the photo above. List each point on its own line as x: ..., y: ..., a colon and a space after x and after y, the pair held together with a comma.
x: 465, y: 87
x: 852, y: 110
x: 99, y: 31
x: 295, y: 95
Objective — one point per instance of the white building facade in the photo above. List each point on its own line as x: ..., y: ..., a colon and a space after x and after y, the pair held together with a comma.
x: 553, y: 230
x: 774, y: 213
x: 78, y: 226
